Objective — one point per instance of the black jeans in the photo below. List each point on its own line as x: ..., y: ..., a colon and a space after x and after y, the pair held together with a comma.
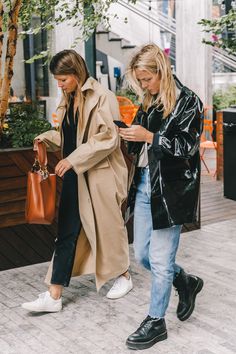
x: 69, y: 225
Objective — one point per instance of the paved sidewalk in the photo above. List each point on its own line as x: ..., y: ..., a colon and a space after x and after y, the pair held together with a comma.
x: 90, y: 323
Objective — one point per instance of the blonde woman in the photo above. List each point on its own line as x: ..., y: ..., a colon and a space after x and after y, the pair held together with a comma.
x: 91, y: 234
x: 165, y: 138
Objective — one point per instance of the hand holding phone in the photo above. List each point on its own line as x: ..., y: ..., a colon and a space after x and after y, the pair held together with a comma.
x: 120, y: 124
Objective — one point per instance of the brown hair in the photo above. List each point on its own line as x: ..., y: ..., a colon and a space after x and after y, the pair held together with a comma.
x: 69, y: 62
x: 151, y: 58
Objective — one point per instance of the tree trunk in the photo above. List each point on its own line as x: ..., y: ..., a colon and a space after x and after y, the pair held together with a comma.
x: 10, y: 53
x: 1, y: 45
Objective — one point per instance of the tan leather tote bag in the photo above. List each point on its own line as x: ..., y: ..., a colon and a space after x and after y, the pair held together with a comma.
x: 41, y: 191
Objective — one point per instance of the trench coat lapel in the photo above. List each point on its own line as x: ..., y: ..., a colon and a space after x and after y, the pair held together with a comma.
x: 89, y: 90
x: 61, y: 110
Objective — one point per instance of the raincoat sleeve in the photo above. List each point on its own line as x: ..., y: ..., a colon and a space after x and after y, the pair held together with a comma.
x: 182, y: 137
x: 103, y: 142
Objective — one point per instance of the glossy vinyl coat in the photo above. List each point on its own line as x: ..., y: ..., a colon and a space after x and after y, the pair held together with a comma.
x: 174, y: 160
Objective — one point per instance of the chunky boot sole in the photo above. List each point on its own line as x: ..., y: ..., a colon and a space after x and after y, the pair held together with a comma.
x: 191, y: 308
x: 146, y: 345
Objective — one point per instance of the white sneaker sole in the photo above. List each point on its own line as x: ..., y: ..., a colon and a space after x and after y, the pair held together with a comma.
x: 42, y: 309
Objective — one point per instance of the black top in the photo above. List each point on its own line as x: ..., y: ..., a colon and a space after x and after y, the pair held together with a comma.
x: 69, y: 127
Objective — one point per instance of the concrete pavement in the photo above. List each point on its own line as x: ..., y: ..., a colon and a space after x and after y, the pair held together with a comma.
x: 90, y: 323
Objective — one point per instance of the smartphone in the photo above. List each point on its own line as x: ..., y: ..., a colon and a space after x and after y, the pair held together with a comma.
x: 120, y: 124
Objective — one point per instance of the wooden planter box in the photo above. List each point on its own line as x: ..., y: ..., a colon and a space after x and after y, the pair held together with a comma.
x: 20, y: 243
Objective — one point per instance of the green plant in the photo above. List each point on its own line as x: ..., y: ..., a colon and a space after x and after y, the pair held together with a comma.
x: 129, y: 94
x: 24, y: 123
x: 218, y: 28
x: 224, y: 99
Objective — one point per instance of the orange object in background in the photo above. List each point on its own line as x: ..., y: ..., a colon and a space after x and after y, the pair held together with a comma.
x: 55, y: 121
x: 207, y: 141
x: 127, y: 109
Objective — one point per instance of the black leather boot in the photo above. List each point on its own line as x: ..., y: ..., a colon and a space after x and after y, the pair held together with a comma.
x: 150, y: 331
x: 187, y: 286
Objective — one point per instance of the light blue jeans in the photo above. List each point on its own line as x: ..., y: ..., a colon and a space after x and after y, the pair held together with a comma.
x: 154, y: 249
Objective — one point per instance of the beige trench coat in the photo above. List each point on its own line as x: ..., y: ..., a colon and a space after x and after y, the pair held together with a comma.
x: 102, y: 246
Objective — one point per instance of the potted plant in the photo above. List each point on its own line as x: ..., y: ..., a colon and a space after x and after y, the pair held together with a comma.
x: 23, y: 123
x: 224, y: 98
x: 218, y: 28
x: 20, y: 127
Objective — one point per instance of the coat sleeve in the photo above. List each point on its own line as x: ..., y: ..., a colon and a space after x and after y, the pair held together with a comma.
x: 182, y: 139
x: 103, y: 142
x: 52, y: 140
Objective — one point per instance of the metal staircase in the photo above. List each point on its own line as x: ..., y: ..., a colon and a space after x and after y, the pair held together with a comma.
x: 221, y: 56
x: 115, y: 46
x: 167, y: 24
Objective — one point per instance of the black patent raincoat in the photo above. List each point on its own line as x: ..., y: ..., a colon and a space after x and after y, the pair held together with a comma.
x: 174, y: 160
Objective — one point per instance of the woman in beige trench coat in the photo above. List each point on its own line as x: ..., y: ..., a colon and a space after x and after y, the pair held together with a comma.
x: 92, y: 237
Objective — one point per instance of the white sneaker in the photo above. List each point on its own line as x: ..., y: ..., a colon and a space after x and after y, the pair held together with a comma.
x: 120, y: 288
x: 44, y: 303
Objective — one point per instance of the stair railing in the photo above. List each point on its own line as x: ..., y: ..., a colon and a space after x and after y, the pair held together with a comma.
x: 168, y: 24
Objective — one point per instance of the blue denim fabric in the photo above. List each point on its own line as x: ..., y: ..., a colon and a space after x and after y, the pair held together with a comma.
x: 154, y: 249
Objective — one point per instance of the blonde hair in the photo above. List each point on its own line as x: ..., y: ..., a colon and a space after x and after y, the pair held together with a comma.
x: 69, y: 62
x: 152, y: 59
